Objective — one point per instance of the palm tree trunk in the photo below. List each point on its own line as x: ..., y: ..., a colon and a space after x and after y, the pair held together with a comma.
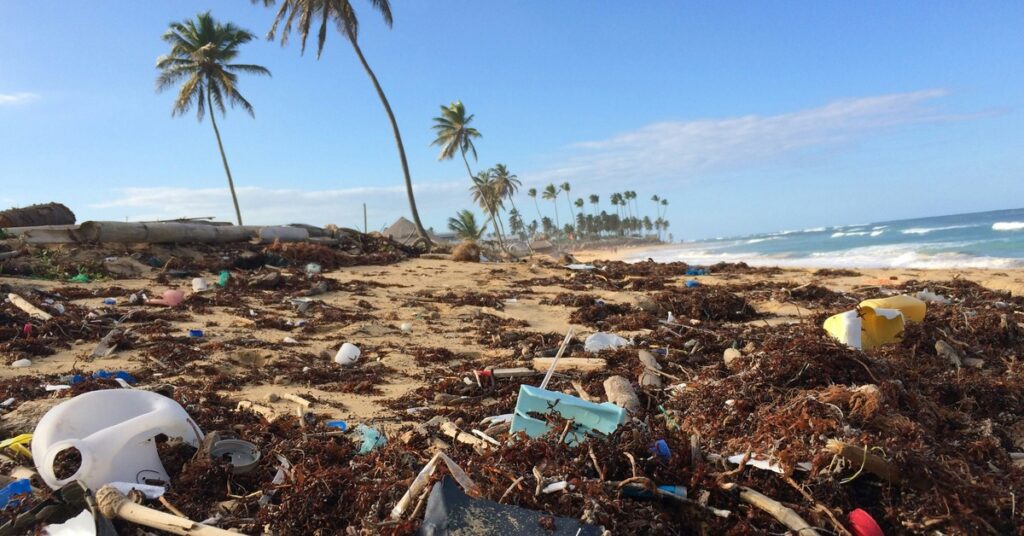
x: 557, y: 223
x: 537, y: 206
x: 223, y: 157
x: 467, y: 164
x: 398, y: 140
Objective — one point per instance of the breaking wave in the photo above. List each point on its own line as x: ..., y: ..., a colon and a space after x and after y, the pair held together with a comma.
x: 1008, y: 226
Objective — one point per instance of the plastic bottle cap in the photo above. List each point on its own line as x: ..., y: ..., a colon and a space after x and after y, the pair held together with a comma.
x: 862, y: 524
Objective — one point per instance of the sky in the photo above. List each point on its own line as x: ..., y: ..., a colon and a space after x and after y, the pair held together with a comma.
x: 747, y: 116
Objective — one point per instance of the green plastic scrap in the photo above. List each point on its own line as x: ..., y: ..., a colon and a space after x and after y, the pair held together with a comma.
x: 588, y: 418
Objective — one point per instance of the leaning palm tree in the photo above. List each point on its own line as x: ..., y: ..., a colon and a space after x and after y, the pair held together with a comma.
x: 532, y: 193
x: 454, y: 133
x: 464, y: 225
x: 664, y: 204
x: 566, y: 188
x: 343, y: 15
x: 486, y: 195
x: 656, y: 199
x: 551, y: 194
x: 201, y: 54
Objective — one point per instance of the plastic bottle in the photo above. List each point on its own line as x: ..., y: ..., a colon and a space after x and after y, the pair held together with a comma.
x: 114, y: 432
x: 347, y: 354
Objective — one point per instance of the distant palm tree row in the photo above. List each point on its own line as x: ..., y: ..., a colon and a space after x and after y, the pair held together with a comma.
x: 202, y: 51
x: 490, y: 189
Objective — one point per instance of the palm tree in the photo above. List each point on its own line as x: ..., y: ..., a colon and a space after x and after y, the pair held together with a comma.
x: 616, y: 200
x: 532, y: 192
x: 664, y: 203
x: 594, y: 200
x: 551, y: 194
x: 565, y: 188
x: 455, y: 134
x: 515, y: 224
x: 656, y: 199
x: 464, y: 225
x: 343, y: 15
x: 579, y: 205
x: 201, y: 52
x: 507, y: 183
x: 486, y: 195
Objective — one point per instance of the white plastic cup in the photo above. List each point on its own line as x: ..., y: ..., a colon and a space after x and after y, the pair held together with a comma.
x: 199, y: 285
x: 348, y: 354
x: 406, y: 327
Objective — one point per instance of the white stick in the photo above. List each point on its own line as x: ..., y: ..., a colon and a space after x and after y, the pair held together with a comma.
x: 114, y: 504
x: 554, y: 362
x: 32, y: 310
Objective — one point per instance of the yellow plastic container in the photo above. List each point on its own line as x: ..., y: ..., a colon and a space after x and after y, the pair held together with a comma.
x: 911, y: 307
x: 876, y: 322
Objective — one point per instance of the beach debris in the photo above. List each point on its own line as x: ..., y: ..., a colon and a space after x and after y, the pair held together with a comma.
x: 586, y: 417
x: 785, y: 515
x: 931, y: 297
x: 243, y: 456
x: 650, y: 376
x: 107, y: 346
x: 466, y: 252
x: 170, y: 298
x: 875, y: 322
x: 102, y: 430
x: 946, y: 350
x: 692, y: 283
x: 22, y: 363
x: 580, y: 267
x: 313, y: 269
x: 599, y: 341
x: 37, y: 215
x: 862, y: 524
x: 195, y: 333
x: 450, y: 511
x: 369, y: 438
x: 347, y: 354
x: 583, y: 364
x: 32, y: 310
x: 730, y: 355
x: 11, y: 493
x: 406, y: 327
x: 619, y: 392
x: 83, y: 524
x: 199, y: 285
x: 114, y: 504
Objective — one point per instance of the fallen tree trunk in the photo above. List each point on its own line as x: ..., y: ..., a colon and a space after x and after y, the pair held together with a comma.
x: 162, y: 233
x: 35, y: 215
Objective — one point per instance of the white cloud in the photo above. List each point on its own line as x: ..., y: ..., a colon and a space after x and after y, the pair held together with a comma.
x: 17, y: 98
x: 276, y: 206
x: 681, y: 150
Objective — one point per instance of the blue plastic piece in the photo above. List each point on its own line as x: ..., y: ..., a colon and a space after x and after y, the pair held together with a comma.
x: 195, y: 333
x: 104, y: 375
x: 10, y: 491
x: 661, y: 450
x: 692, y: 283
x: 342, y: 425
x: 696, y: 271
x: 641, y: 493
x: 588, y: 418
x: 109, y: 301
x: 370, y: 438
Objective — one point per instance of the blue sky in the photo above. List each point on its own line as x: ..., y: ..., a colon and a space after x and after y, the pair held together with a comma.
x: 747, y: 116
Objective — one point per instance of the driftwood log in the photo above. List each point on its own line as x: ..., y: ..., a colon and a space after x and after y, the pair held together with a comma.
x: 35, y: 215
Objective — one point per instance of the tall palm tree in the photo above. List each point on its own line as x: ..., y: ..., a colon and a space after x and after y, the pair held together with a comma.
x: 343, y: 15
x: 594, y: 200
x: 657, y: 200
x: 486, y: 195
x: 579, y: 204
x: 532, y: 192
x: 616, y: 200
x: 464, y: 225
x: 201, y: 54
x: 551, y: 194
x: 454, y: 133
x: 507, y: 183
x: 664, y: 204
x: 565, y: 188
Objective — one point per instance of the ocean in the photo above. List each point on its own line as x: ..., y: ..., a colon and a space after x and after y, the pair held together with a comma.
x: 978, y: 240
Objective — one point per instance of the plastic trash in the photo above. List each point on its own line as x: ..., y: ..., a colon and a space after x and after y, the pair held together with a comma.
x: 862, y: 524
x: 84, y: 524
x: 661, y: 450
x: 340, y: 425
x: 223, y: 277
x: 588, y: 418
x: 347, y: 354
x: 22, y: 363
x: 149, y: 491
x: 17, y: 444
x: 638, y: 491
x: 170, y: 298
x: 109, y: 301
x: 692, y: 283
x: 313, y: 268
x: 875, y: 322
x: 696, y: 271
x: 604, y: 341
x: 104, y: 375
x: 195, y: 333
x: 931, y: 297
x: 242, y: 455
x: 369, y: 438
x: 578, y: 266
x: 450, y: 511
x: 289, y: 340
x: 113, y: 431
x: 406, y: 327
x: 80, y: 278
x: 199, y: 285
x: 9, y: 494
x: 561, y: 485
